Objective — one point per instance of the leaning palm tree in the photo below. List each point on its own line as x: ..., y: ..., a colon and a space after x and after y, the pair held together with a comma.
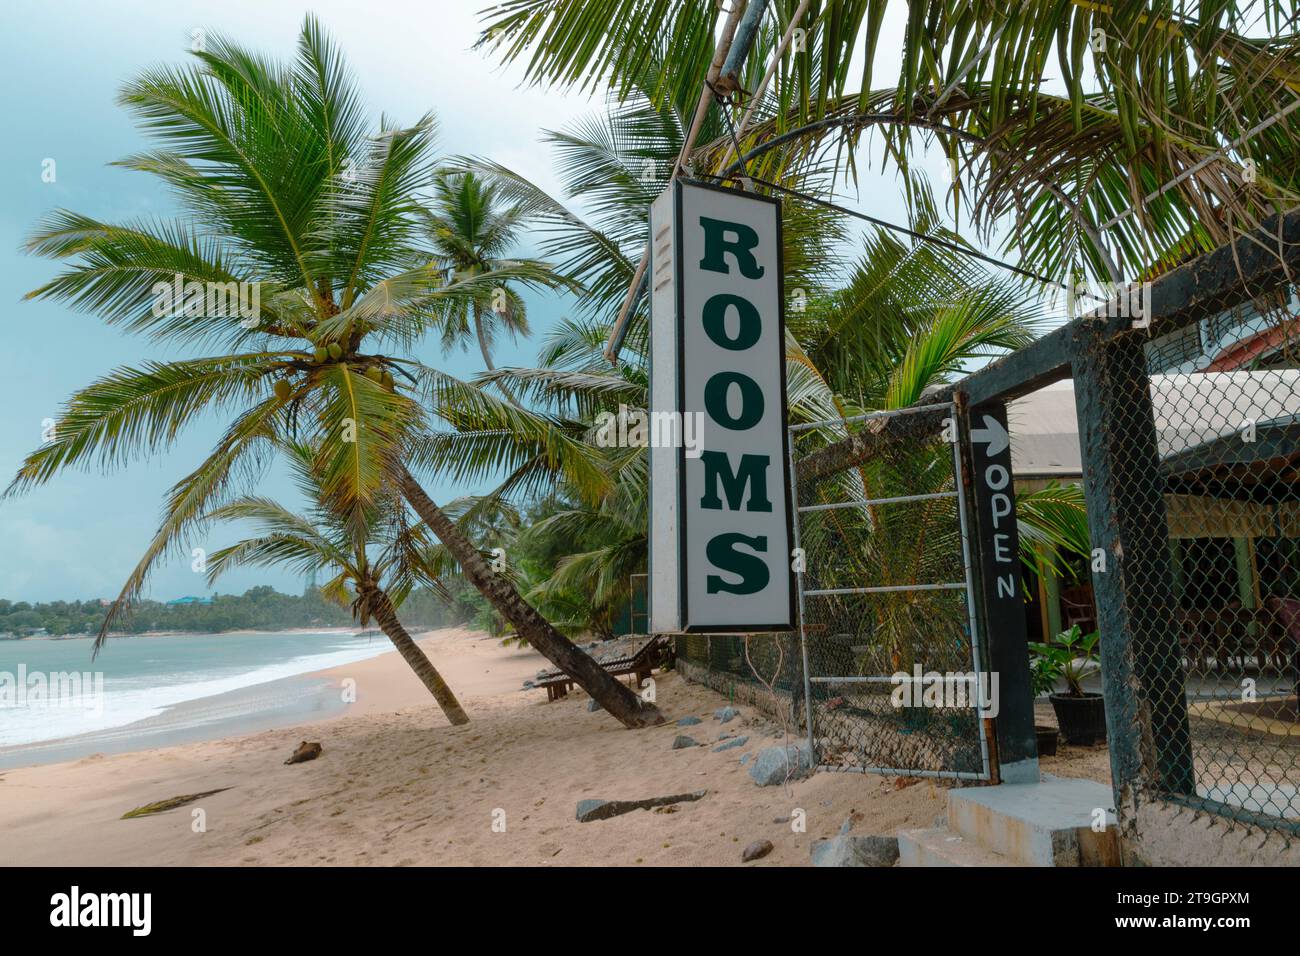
x: 471, y: 230
x: 286, y: 190
x: 379, y: 559
x: 593, y: 582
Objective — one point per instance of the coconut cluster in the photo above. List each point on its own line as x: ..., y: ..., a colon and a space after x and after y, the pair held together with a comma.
x: 334, y: 352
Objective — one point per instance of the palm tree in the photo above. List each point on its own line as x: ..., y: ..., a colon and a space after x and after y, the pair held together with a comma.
x: 606, y: 544
x: 471, y: 230
x: 904, y: 318
x: 900, y: 319
x: 1099, y: 128
x: 909, y: 315
x: 571, y: 560
x: 285, y: 189
x: 322, y: 540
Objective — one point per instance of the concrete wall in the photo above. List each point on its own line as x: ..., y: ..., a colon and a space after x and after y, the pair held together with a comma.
x: 1163, y: 834
x: 778, y: 706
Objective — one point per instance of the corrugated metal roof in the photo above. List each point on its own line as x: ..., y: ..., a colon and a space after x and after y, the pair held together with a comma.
x: 1045, y: 433
x: 1190, y: 409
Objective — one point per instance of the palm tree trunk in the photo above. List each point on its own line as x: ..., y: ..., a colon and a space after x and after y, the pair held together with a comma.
x: 613, y: 696
x: 386, y: 616
x: 487, y: 353
x: 482, y: 339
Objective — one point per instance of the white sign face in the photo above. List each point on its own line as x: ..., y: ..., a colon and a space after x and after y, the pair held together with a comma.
x: 720, y: 536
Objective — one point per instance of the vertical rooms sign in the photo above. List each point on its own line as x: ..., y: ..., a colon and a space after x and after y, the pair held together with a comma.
x: 720, y: 537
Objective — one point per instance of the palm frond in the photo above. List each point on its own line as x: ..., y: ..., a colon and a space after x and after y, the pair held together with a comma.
x: 141, y: 411
x: 243, y: 452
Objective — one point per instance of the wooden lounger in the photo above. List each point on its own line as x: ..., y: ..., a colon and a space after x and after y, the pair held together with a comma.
x: 634, y: 654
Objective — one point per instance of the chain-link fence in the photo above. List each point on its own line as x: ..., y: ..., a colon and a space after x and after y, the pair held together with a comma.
x: 1207, y: 480
x: 762, y: 670
x: 885, y: 602
x: 756, y: 659
x: 1188, y: 443
x: 638, y: 604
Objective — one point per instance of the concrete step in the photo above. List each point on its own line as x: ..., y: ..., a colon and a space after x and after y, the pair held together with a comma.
x: 939, y: 846
x: 1049, y: 823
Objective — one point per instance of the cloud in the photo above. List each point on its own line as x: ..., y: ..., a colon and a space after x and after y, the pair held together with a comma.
x: 43, y: 561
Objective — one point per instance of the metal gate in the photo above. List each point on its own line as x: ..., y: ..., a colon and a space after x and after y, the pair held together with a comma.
x: 891, y: 652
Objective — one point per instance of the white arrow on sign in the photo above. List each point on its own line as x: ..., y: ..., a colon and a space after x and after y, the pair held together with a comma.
x: 993, y: 434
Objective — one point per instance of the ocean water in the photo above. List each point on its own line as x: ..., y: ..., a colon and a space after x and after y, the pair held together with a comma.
x: 150, y: 691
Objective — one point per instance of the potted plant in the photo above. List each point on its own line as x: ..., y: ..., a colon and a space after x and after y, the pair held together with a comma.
x: 1071, y: 657
x: 1043, y: 674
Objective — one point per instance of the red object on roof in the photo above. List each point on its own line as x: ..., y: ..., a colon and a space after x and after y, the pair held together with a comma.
x: 1245, y: 351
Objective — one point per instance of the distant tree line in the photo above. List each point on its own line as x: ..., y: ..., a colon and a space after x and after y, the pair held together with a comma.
x: 258, y: 609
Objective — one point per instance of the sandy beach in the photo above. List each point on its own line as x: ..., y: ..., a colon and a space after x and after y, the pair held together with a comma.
x: 396, y: 785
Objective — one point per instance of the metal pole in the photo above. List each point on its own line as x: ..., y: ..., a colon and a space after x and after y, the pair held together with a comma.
x: 619, y: 332
x: 958, y: 477
x: 803, y: 627
x: 729, y: 75
x: 868, y: 416
x: 1147, y: 722
x: 864, y: 502
x: 767, y: 77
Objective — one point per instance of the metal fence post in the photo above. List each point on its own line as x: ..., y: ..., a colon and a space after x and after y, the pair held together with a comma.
x: 802, y: 622
x: 1142, y: 672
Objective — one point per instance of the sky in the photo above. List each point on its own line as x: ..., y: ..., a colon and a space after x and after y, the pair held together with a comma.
x: 61, y: 65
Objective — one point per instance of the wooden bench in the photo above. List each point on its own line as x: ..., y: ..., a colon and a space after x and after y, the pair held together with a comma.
x: 634, y: 654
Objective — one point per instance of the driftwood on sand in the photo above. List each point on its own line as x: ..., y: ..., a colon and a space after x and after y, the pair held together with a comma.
x: 306, y: 751
x: 171, y: 803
